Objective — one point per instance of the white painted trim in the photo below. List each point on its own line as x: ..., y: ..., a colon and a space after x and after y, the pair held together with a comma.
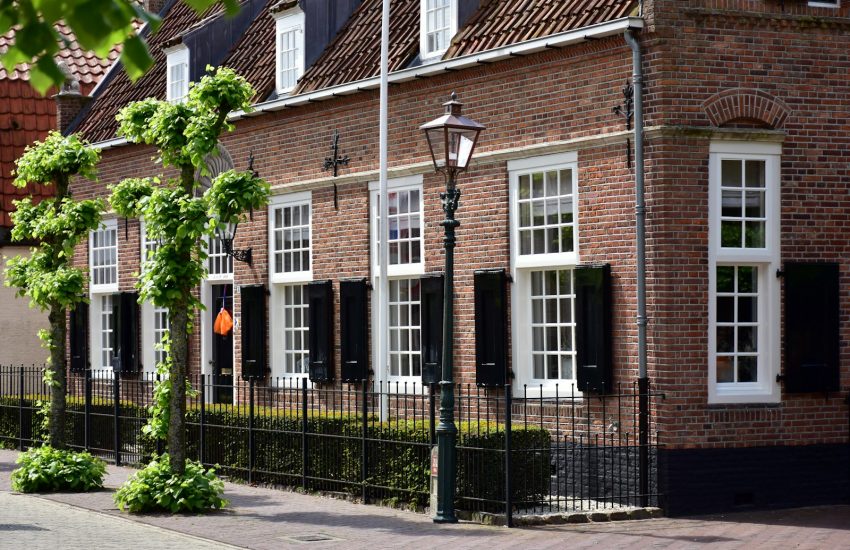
x: 403, y: 270
x: 521, y: 268
x: 289, y: 20
x: 111, y: 223
x: 277, y: 335
x: 836, y: 4
x: 767, y: 389
x: 178, y: 55
x: 560, y: 40
x: 281, y: 201
x: 425, y: 55
x: 542, y: 161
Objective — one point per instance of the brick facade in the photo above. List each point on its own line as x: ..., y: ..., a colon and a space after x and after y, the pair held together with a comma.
x: 740, y: 70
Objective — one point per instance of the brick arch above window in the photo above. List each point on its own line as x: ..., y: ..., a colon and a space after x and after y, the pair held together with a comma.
x: 746, y: 104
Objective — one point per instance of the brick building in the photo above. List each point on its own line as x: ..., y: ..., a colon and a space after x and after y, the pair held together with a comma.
x: 26, y: 116
x: 745, y: 120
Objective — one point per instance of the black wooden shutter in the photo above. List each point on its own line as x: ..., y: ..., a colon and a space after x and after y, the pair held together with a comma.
x: 354, y: 330
x: 432, y: 328
x: 79, y: 336
x: 594, y: 366
x: 125, y: 332
x: 321, y: 303
x: 491, y: 334
x: 253, y: 331
x: 811, y: 327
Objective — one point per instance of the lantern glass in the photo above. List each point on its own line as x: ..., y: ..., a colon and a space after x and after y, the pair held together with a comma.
x: 461, y: 141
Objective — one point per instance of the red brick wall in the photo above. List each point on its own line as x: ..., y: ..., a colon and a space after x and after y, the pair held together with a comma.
x: 801, y: 61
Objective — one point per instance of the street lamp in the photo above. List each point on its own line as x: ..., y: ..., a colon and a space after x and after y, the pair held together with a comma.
x: 226, y: 232
x: 451, y: 139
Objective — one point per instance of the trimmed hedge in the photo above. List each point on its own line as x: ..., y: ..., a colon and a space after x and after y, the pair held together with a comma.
x: 398, y: 454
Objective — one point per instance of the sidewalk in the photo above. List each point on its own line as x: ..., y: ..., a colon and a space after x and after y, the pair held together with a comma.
x: 264, y: 518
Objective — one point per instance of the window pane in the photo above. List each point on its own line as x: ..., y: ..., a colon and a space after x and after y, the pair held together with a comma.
x: 755, y: 173
x: 725, y: 369
x: 730, y: 173
x: 747, y: 369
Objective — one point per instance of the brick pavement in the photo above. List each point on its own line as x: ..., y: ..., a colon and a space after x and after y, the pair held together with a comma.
x: 264, y: 518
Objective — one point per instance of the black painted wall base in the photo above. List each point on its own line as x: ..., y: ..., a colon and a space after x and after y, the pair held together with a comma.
x: 702, y: 481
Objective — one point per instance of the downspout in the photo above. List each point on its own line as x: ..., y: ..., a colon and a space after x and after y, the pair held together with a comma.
x: 640, y: 230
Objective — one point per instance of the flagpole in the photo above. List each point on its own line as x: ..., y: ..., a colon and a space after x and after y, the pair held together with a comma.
x: 383, y: 281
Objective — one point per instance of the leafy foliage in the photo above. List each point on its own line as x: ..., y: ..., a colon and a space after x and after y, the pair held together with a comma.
x: 58, y: 224
x: 45, y: 469
x: 98, y: 25
x: 156, y: 489
x: 184, y: 134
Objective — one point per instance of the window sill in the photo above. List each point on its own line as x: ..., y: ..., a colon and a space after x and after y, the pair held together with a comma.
x: 743, y: 396
x: 565, y: 390
x: 290, y: 278
x: 103, y: 289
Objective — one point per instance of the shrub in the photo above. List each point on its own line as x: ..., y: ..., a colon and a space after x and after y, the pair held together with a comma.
x: 45, y: 469
x: 155, y: 489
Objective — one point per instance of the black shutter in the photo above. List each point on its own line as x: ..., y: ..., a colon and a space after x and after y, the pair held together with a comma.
x: 321, y: 303
x: 594, y: 365
x: 253, y: 331
x: 354, y: 330
x: 125, y: 332
x: 432, y: 328
x: 79, y: 336
x: 491, y: 334
x: 811, y: 327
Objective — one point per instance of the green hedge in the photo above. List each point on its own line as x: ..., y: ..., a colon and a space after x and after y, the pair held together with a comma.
x: 398, y: 454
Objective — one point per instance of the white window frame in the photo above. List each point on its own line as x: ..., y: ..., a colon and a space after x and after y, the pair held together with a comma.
x: 824, y: 4
x: 394, y: 272
x: 103, y: 288
x: 523, y: 266
x: 424, y: 54
x: 215, y: 249
x: 149, y: 311
x: 280, y: 202
x: 278, y: 329
x: 291, y: 20
x: 177, y: 56
x: 767, y: 259
x: 407, y: 183
x: 278, y: 285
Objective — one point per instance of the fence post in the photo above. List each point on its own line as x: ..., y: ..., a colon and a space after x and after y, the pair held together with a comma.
x: 202, y: 423
x: 643, y: 440
x: 364, y: 454
x: 509, y: 514
x: 87, y: 409
x: 21, y: 410
x: 304, y: 434
x: 116, y: 413
x: 251, y: 446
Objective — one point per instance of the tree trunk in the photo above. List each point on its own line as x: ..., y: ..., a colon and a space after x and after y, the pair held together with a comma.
x: 179, y: 369
x: 58, y: 372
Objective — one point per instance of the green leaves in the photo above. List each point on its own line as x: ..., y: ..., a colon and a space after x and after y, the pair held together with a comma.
x: 45, y: 469
x: 54, y: 160
x: 155, y: 489
x: 234, y: 193
x: 97, y: 25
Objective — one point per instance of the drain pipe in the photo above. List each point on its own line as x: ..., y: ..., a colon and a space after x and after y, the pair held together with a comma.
x: 640, y: 214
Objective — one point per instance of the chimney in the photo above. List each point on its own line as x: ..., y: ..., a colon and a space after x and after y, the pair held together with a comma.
x: 154, y: 6
x: 69, y: 100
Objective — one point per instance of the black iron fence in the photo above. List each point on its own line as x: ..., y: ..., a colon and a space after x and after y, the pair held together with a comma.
x: 530, y: 452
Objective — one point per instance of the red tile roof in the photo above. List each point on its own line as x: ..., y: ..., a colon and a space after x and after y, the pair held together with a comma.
x: 253, y: 58
x: 100, y: 123
x: 499, y: 23
x: 84, y: 65
x: 354, y: 54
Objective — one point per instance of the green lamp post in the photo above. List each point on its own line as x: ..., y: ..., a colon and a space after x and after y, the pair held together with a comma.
x: 451, y: 139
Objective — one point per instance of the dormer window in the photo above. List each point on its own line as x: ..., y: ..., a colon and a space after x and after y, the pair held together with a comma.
x: 178, y: 74
x: 290, y: 48
x: 438, y: 26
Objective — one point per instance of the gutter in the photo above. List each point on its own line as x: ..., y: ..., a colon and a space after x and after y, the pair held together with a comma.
x: 555, y: 41
x: 640, y: 237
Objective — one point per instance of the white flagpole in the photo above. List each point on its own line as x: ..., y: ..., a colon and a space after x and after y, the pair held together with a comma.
x: 382, y: 369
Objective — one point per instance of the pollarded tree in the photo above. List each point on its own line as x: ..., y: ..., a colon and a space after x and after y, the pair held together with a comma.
x: 57, y: 224
x: 174, y: 214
